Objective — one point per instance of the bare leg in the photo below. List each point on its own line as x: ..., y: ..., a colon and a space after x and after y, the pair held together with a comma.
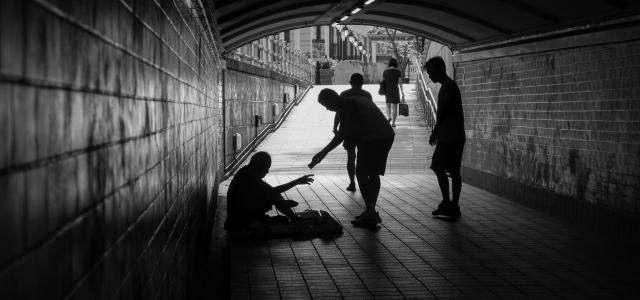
x: 394, y: 113
x: 374, y: 190
x: 389, y: 105
x: 363, y: 183
x: 369, y: 188
x: 351, y: 164
x: 443, y: 182
x: 456, y: 186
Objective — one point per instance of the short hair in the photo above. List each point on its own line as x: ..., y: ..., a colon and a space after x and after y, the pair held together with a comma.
x: 436, y: 63
x: 328, y: 96
x: 393, y: 62
x: 261, y: 160
x: 356, y: 79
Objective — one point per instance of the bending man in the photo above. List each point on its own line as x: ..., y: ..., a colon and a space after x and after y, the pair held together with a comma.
x: 363, y: 124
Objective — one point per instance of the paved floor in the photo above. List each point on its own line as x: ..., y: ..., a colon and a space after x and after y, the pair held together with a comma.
x: 497, y: 249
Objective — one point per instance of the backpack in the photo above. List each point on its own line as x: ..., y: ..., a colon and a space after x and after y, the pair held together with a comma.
x: 312, y: 223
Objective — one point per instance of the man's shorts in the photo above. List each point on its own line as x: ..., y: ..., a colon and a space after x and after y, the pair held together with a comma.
x: 372, y: 156
x: 447, y: 156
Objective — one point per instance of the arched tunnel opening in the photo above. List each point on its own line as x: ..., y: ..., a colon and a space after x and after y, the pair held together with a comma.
x: 123, y: 121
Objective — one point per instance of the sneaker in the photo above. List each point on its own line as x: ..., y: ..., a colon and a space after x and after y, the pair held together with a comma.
x: 442, y: 208
x: 351, y: 187
x: 367, y: 220
x: 452, y: 211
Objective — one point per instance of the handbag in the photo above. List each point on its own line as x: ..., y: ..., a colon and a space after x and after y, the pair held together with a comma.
x: 382, y: 88
x: 403, y: 109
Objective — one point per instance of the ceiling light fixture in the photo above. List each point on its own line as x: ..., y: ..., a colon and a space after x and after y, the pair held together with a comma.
x: 368, y: 2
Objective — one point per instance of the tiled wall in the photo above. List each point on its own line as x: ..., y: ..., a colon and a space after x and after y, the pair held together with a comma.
x: 110, y: 116
x: 247, y: 95
x: 566, y: 122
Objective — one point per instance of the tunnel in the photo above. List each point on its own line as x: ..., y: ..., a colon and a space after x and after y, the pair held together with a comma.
x: 122, y: 123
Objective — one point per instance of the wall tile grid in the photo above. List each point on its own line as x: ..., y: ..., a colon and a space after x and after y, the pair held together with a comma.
x: 110, y: 116
x: 567, y: 121
x: 246, y: 96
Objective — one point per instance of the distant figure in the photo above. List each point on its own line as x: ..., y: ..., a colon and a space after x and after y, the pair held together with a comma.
x: 448, y: 136
x: 392, y: 80
x: 362, y: 124
x: 356, y: 90
x: 249, y: 197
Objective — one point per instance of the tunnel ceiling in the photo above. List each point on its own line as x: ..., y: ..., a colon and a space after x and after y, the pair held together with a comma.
x: 456, y: 23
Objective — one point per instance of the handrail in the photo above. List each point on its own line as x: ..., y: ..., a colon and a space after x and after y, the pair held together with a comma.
x: 244, y: 154
x: 425, y: 89
x: 277, y: 55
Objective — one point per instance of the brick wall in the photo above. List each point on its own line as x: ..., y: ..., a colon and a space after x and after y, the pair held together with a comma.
x: 247, y: 95
x: 565, y: 122
x: 110, y: 119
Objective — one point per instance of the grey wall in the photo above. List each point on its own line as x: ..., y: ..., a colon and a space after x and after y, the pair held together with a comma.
x: 110, y: 118
x: 565, y: 122
x: 247, y: 95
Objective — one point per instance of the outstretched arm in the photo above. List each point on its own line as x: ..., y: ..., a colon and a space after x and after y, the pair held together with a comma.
x: 306, y: 179
x: 337, y: 139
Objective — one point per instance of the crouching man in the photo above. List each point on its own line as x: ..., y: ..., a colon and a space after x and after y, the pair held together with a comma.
x: 249, y: 198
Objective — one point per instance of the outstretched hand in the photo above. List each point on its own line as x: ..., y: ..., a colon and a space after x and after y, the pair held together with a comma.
x: 317, y: 159
x: 306, y: 179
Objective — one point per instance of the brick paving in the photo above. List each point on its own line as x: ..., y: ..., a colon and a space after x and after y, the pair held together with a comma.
x: 497, y: 249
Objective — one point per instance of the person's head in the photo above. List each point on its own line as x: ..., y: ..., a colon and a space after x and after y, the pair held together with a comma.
x: 393, y: 63
x: 436, y: 69
x: 329, y: 99
x: 356, y: 80
x: 260, y: 163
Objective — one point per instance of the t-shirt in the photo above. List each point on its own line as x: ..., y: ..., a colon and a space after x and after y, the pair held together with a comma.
x: 351, y: 93
x: 361, y: 119
x: 248, y: 199
x: 450, y: 118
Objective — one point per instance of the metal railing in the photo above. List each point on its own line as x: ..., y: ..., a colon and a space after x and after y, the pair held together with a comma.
x: 272, y: 127
x: 277, y: 55
x: 429, y: 103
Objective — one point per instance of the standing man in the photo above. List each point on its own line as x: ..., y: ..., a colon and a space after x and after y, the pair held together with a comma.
x: 356, y: 90
x: 362, y: 124
x: 448, y: 136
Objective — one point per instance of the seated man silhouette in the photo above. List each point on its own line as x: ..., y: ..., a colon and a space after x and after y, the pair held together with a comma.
x: 364, y: 125
x: 249, y: 197
x: 356, y: 90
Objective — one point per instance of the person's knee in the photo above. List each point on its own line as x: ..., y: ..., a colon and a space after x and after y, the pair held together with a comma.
x: 362, y: 175
x: 439, y: 172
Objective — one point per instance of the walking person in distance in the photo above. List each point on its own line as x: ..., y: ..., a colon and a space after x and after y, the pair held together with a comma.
x: 392, y: 78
